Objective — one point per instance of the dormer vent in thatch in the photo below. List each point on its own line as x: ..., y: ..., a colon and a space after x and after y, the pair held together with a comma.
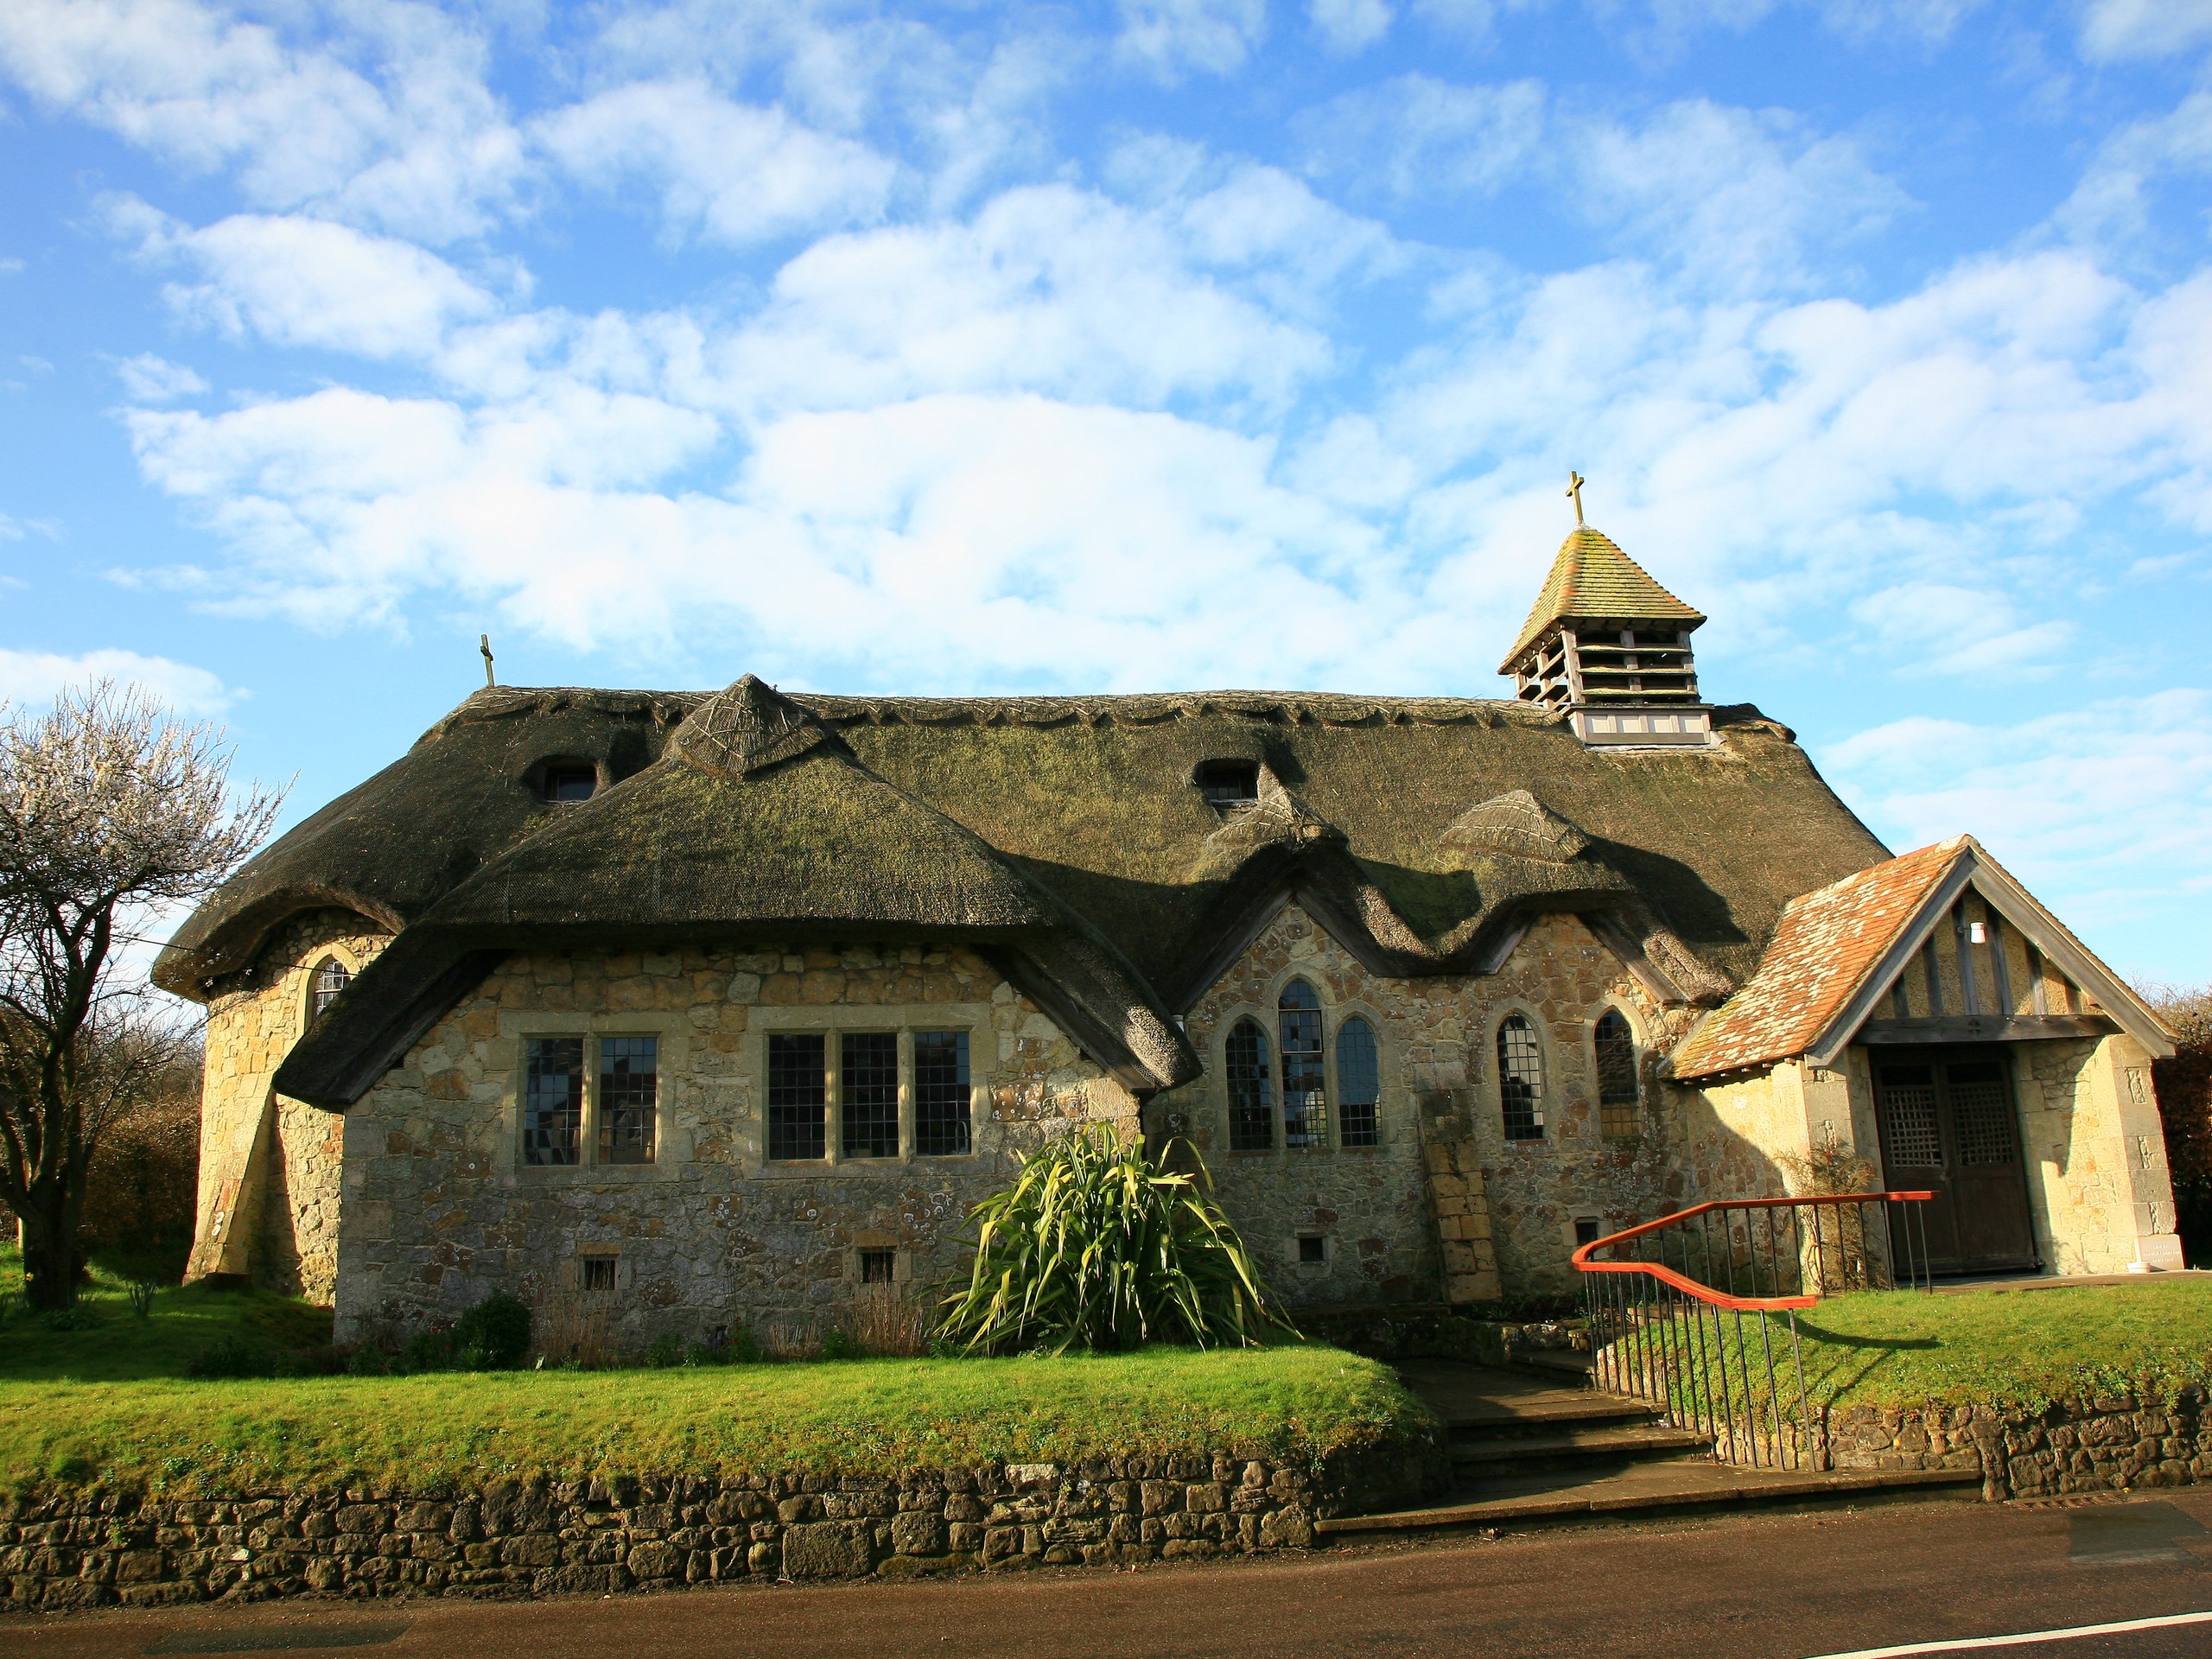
x: 1228, y: 784
x: 1516, y: 825
x: 1610, y: 647
x: 747, y: 728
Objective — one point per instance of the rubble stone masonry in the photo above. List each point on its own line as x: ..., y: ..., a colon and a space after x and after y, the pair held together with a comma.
x: 1390, y: 1225
x: 440, y: 1207
x: 614, y: 1533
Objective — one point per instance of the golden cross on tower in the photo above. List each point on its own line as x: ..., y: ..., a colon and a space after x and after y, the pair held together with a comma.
x: 484, y: 644
x: 1574, y: 491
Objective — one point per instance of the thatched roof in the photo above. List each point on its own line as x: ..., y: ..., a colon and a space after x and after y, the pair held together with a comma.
x: 1066, y: 833
x: 1592, y: 579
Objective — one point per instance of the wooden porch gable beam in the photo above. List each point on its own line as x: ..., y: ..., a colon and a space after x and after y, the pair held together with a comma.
x: 2044, y: 931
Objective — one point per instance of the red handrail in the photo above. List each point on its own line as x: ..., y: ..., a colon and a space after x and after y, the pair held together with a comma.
x: 1706, y: 1293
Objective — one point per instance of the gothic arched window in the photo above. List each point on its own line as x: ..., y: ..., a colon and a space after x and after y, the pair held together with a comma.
x: 1521, y: 1078
x: 1305, y: 1106
x: 331, y: 976
x: 1251, y: 1114
x: 1617, y: 1089
x: 1359, y: 1084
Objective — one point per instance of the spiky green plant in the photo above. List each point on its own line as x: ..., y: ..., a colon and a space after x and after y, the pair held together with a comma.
x: 1097, y: 1246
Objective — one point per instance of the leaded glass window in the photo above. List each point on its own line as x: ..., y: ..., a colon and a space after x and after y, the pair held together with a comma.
x: 941, y: 1093
x: 1521, y: 1078
x: 1305, y: 1107
x: 330, y: 978
x: 629, y: 1099
x: 867, y: 1093
x: 1251, y: 1113
x: 1359, y: 1079
x: 1616, y: 1090
x: 553, y: 1100
x: 798, y: 1095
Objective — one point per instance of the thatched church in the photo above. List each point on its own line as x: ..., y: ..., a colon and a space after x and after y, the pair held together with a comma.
x: 725, y: 1007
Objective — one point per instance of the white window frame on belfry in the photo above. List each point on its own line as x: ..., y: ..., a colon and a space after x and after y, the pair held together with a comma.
x: 1269, y: 1021
x: 832, y: 1021
x: 672, y: 1141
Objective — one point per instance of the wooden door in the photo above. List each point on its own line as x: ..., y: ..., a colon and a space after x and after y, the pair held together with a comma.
x: 1950, y: 1126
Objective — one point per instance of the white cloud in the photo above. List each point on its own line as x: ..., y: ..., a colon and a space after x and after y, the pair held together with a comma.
x: 1414, y: 135
x: 1171, y: 38
x: 2112, y: 201
x: 1943, y: 628
x: 729, y: 172
x: 32, y: 678
x: 307, y: 281
x: 2144, y: 28
x: 150, y: 379
x: 413, y: 142
x: 1350, y: 25
x: 1049, y: 289
x: 2105, y: 810
x: 1735, y: 195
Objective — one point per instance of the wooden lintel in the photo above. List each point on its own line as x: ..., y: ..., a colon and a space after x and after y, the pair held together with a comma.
x: 1984, y: 1029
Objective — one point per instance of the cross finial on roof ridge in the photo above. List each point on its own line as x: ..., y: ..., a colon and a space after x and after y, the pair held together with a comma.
x: 1574, y: 491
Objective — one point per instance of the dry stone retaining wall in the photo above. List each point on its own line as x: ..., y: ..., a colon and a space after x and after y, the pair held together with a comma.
x: 2116, y: 1443
x: 618, y: 1534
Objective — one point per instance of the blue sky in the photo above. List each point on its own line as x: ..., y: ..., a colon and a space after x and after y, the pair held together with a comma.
x: 1162, y: 344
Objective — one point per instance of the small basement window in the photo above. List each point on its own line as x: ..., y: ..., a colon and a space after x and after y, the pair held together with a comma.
x: 1312, y: 1248
x: 563, y: 782
x: 877, y: 1266
x: 1586, y: 1230
x: 1228, y: 784
x: 599, y: 1274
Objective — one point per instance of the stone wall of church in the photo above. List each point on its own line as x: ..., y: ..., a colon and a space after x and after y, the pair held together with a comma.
x: 440, y: 1209
x: 1374, y: 1207
x: 269, y: 1167
x: 2097, y: 1182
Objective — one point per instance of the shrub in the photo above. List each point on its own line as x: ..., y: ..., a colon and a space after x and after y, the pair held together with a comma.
x: 664, y: 1352
x: 1096, y: 1246
x: 838, y: 1344
x: 494, y: 1335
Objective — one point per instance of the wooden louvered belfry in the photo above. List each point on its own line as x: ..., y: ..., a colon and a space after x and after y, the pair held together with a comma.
x: 1610, y: 647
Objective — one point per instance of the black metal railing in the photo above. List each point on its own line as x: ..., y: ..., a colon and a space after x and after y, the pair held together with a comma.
x: 1682, y: 1310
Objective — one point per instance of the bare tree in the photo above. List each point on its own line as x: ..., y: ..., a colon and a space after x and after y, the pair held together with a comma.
x: 109, y: 809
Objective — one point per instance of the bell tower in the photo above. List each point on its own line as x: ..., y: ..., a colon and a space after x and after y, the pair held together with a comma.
x: 1611, y: 647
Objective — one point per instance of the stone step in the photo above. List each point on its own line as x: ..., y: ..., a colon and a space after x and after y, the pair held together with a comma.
x: 1555, y: 1362
x: 1550, y: 1417
x: 1578, y: 1444
x: 1646, y: 1490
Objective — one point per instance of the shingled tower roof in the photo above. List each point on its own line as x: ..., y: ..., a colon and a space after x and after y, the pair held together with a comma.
x: 1591, y: 577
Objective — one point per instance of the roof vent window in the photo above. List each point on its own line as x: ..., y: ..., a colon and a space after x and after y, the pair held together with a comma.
x: 1228, y: 784
x: 563, y: 781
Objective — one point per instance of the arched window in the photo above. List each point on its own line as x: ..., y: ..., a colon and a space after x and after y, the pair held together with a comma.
x: 1251, y: 1114
x: 1617, y: 1089
x: 1359, y: 1084
x: 1521, y: 1078
x: 1305, y: 1108
x: 330, y: 978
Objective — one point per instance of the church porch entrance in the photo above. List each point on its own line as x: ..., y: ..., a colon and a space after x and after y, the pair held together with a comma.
x: 1950, y: 1124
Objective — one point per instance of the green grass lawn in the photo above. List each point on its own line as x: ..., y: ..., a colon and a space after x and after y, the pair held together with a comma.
x: 2025, y: 1349
x: 107, y: 1403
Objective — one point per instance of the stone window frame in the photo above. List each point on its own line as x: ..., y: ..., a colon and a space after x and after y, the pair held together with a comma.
x: 1386, y: 1056
x: 304, y: 994
x: 1548, y: 1053
x: 867, y: 1241
x: 1638, y: 1033
x: 672, y: 1139
x: 1267, y: 1015
x: 833, y: 1020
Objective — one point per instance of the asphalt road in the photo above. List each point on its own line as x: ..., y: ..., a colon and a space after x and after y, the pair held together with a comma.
x: 1760, y: 1586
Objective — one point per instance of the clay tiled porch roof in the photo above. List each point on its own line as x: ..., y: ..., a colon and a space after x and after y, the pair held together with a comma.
x: 1828, y: 942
